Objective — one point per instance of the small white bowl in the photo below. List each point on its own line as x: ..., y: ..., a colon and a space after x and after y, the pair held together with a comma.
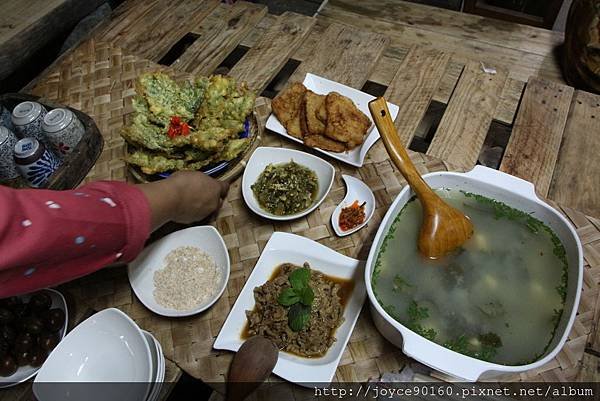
x: 264, y: 156
x: 356, y: 190
x: 25, y: 373
x: 141, y: 270
x: 107, y: 347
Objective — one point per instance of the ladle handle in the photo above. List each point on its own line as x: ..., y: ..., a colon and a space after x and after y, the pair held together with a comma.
x: 395, y: 148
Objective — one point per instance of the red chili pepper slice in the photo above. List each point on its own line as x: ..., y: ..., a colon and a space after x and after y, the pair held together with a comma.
x: 177, y: 127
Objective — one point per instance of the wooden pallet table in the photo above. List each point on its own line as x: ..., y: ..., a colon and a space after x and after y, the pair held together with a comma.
x: 550, y: 144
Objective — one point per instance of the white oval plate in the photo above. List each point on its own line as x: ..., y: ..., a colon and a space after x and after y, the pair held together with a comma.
x: 322, y: 86
x: 25, y: 373
x: 291, y: 248
x: 355, y: 190
x: 264, y: 156
x: 141, y: 270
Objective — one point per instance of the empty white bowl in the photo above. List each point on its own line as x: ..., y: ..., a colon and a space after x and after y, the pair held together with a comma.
x: 107, y: 347
x: 264, y: 156
x: 141, y: 270
x: 356, y: 190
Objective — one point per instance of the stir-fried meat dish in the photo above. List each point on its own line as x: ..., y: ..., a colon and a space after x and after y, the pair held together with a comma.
x: 305, y: 330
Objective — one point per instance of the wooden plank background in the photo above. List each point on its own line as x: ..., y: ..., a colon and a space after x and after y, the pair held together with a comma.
x: 467, y: 119
x: 535, y: 141
x: 413, y: 86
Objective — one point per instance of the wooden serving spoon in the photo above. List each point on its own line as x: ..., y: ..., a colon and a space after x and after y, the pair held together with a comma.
x: 251, y: 366
x: 444, y: 228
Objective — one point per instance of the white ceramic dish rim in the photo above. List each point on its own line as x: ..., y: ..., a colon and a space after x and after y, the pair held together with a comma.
x: 4, y: 383
x: 372, y: 136
x: 136, y: 329
x: 175, y: 313
x: 437, y: 356
x: 302, y: 371
x: 158, y: 379
x: 247, y: 191
x: 352, y: 183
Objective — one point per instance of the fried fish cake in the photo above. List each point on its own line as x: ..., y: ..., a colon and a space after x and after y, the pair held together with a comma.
x: 321, y: 112
x: 345, y: 122
x: 302, y: 119
x: 312, y: 104
x: 325, y: 143
x: 286, y: 107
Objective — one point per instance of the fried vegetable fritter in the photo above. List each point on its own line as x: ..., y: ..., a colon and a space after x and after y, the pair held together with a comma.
x: 165, y: 98
x: 212, y: 109
x: 193, y: 159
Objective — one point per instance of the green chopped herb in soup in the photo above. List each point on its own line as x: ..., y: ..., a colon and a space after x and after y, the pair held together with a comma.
x: 499, y: 298
x: 286, y: 188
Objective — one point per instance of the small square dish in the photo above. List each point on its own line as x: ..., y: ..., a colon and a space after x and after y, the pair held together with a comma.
x: 289, y: 248
x: 323, y: 86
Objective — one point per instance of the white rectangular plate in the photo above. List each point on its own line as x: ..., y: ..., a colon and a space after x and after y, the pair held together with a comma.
x: 290, y: 248
x: 322, y: 86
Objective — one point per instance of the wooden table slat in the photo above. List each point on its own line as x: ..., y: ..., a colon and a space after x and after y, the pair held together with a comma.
x: 124, y: 17
x: 135, y: 25
x: 469, y: 27
x: 413, y: 87
x: 466, y: 121
x: 219, y: 33
x: 522, y: 64
x: 26, y: 27
x: 533, y: 147
x: 577, y: 171
x: 344, y: 54
x: 156, y: 35
x: 264, y: 60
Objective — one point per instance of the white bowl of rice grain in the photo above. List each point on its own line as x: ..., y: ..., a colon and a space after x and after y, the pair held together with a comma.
x: 183, y: 273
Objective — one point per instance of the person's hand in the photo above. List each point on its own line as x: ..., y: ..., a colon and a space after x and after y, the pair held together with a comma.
x: 184, y: 197
x: 198, y: 195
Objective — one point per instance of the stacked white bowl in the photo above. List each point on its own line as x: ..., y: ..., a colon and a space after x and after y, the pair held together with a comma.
x: 106, y: 357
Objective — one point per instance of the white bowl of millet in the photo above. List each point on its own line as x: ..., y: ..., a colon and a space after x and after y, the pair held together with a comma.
x: 183, y: 273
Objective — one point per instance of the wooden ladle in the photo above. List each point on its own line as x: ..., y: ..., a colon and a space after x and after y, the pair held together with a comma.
x: 251, y: 365
x: 444, y: 228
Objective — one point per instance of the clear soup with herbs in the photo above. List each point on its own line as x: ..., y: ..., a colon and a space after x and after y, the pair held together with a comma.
x: 498, y: 298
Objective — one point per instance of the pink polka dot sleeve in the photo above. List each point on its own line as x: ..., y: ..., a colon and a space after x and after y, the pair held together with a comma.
x: 50, y: 237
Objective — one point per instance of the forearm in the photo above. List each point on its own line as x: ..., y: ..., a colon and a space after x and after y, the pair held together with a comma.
x: 49, y: 237
x: 162, y: 197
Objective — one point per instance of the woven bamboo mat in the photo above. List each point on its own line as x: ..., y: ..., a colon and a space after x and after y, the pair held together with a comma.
x: 98, y: 79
